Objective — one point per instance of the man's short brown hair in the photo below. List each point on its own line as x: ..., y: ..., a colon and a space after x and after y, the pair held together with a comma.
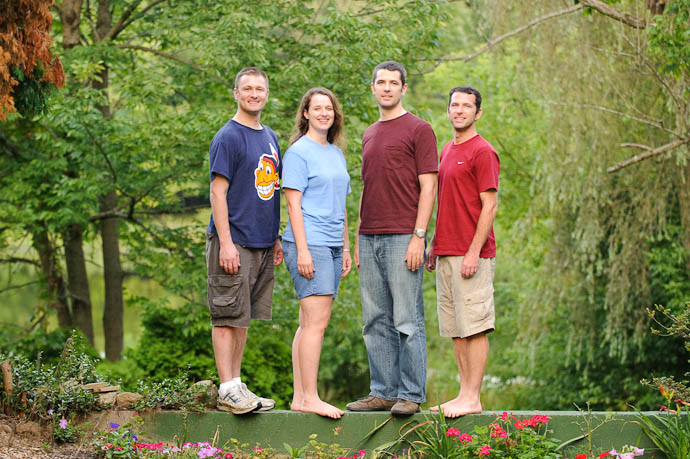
x: 250, y: 71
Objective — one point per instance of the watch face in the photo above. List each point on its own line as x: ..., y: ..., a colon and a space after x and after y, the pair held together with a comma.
x: 419, y: 233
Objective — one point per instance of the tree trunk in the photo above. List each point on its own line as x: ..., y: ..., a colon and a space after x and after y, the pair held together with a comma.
x: 684, y: 200
x: 110, y: 235
x: 70, y: 16
x: 53, y: 277
x: 78, y: 281
x: 112, y: 272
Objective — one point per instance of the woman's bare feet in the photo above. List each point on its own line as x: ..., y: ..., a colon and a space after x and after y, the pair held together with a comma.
x: 321, y: 408
x: 296, y: 404
x: 459, y: 407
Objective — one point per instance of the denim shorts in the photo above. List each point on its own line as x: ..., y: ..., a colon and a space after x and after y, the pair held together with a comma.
x: 328, y: 264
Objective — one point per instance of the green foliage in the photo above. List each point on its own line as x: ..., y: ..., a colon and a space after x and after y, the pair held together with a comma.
x: 125, y: 372
x: 507, y: 437
x: 64, y: 431
x: 32, y: 93
x: 46, y: 389
x: 119, y: 441
x: 669, y: 35
x: 174, y: 340
x: 670, y: 432
x: 173, y: 394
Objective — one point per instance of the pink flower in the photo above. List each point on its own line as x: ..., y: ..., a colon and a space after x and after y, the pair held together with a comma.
x: 465, y: 437
x: 362, y: 453
x: 228, y: 455
x: 63, y: 423
x: 257, y: 448
x: 484, y: 450
x: 452, y: 432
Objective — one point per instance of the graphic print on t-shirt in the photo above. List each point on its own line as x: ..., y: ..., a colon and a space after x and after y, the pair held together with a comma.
x: 266, y: 175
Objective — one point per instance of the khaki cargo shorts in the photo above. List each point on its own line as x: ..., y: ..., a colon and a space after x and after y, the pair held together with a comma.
x: 465, y: 306
x: 235, y: 299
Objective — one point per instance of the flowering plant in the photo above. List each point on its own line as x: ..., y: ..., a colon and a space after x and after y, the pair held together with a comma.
x: 670, y: 430
x: 507, y: 436
x: 64, y: 431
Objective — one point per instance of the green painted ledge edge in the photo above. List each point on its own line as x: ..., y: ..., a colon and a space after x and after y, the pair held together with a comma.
x: 274, y: 428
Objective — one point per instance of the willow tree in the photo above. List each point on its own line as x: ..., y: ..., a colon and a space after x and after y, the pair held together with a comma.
x: 606, y: 231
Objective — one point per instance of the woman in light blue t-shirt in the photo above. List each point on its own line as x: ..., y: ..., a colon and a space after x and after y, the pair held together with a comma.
x: 315, y: 243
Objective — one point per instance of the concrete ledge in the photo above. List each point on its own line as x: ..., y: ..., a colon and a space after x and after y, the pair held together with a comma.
x: 274, y: 428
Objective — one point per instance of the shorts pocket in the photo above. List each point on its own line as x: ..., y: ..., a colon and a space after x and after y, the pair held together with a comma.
x: 479, y: 303
x: 224, y: 292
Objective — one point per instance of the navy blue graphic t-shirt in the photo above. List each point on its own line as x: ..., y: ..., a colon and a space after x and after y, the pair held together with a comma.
x: 250, y: 160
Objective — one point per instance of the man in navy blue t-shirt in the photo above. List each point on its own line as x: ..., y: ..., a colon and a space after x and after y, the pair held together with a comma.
x: 242, y: 242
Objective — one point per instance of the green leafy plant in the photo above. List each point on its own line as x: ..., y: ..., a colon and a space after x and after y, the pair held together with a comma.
x: 53, y: 390
x: 171, y: 393
x: 506, y: 437
x: 119, y: 441
x: 670, y: 429
x: 64, y: 431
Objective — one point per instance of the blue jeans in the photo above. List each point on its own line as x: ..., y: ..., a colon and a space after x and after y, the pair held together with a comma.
x: 393, y: 311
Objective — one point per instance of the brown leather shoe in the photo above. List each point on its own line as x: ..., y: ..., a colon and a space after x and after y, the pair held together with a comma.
x: 405, y: 408
x: 370, y: 403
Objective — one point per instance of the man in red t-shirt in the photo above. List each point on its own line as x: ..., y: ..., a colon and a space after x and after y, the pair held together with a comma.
x: 465, y: 248
x: 399, y: 167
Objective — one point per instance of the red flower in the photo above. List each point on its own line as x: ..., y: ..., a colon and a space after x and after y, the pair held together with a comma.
x: 581, y: 456
x: 604, y: 454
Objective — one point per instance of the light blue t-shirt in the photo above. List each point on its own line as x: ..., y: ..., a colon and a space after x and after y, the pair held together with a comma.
x: 320, y: 173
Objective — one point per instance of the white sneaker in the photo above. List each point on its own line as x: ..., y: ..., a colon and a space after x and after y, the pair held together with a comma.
x: 237, y: 401
x: 265, y: 403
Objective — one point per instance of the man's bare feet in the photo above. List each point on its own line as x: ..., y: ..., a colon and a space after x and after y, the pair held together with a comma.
x: 321, y: 408
x: 459, y: 407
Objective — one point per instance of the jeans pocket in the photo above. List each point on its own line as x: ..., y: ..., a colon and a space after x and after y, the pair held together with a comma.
x: 479, y: 303
x: 224, y: 292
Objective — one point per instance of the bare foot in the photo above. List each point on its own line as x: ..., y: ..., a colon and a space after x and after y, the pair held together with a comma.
x: 320, y: 407
x: 459, y: 407
x: 296, y: 404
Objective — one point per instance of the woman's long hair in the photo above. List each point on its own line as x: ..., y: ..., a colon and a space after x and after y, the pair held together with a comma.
x: 335, y: 132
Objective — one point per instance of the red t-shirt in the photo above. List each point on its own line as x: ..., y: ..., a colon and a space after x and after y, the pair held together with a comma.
x: 466, y: 170
x: 394, y: 153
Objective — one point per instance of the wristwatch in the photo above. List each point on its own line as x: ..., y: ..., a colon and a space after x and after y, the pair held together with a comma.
x: 419, y: 232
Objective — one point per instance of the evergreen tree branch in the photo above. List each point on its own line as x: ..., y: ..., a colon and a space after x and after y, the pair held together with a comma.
x: 173, y: 57
x: 651, y: 152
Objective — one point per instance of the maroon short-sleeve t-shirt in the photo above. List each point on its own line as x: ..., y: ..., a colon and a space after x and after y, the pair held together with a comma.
x: 394, y: 153
x: 466, y: 170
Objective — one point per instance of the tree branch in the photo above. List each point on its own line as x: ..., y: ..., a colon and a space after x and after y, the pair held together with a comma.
x: 126, y: 19
x: 608, y: 10
x: 19, y: 260
x: 367, y: 12
x: 646, y: 121
x: 649, y: 154
x: 601, y: 7
x: 13, y: 287
x: 181, y: 60
x: 491, y: 43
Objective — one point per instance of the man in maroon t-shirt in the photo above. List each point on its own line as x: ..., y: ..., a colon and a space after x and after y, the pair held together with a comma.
x: 399, y: 167
x: 465, y: 247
